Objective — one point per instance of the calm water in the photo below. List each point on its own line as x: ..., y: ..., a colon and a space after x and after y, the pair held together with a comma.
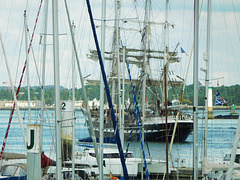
x: 221, y: 134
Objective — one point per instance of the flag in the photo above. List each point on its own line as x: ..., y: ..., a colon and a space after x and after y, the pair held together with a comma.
x: 219, y: 99
x: 217, y: 83
x: 182, y: 51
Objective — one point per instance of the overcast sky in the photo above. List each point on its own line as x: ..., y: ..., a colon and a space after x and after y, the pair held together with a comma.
x: 224, y: 51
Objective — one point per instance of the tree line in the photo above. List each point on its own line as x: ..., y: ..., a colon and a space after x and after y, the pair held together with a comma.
x: 230, y: 93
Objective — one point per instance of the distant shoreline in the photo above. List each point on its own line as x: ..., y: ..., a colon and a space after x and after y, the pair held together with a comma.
x: 33, y: 108
x: 78, y: 108
x: 215, y: 107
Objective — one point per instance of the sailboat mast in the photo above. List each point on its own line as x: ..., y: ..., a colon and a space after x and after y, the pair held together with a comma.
x: 207, y: 82
x: 43, y: 83
x: 32, y: 158
x: 89, y: 121
x: 27, y: 59
x: 195, y: 91
x: 73, y: 69
x: 101, y: 124
x: 43, y: 72
x: 73, y: 108
x: 57, y: 89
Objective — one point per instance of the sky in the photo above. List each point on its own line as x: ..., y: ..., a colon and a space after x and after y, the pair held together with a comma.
x: 224, y: 38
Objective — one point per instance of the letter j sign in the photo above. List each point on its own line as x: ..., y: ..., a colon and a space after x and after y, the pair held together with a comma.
x: 33, y: 138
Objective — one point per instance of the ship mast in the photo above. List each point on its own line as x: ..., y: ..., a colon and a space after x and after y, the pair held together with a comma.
x: 168, y: 57
x: 166, y: 52
x: 165, y: 82
x: 118, y: 109
x: 146, y: 45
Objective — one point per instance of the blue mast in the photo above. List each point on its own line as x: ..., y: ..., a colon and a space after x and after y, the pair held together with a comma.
x: 116, y: 131
x: 137, y: 114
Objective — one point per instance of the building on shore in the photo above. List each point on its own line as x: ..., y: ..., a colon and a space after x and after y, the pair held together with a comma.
x: 34, y: 104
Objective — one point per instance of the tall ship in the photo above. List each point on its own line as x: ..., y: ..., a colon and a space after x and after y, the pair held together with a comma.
x: 159, y: 118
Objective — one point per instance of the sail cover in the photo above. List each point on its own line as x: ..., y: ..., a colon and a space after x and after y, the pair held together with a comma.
x: 219, y: 99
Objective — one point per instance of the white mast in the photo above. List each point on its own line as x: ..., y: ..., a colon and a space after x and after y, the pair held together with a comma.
x: 43, y: 72
x: 89, y: 121
x: 207, y: 84
x: 195, y: 91
x: 27, y: 59
x: 73, y: 108
x: 57, y: 89
x: 233, y: 152
x: 101, y: 124
x: 43, y: 78
x: 33, y: 157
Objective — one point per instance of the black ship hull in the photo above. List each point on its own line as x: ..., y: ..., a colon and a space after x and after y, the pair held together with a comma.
x: 229, y: 116
x: 154, y: 132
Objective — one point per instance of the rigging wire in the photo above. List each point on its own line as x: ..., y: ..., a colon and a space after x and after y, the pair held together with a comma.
x: 228, y: 36
x: 236, y: 20
x: 138, y: 19
x: 19, y: 54
x: 35, y: 63
x: 9, y: 16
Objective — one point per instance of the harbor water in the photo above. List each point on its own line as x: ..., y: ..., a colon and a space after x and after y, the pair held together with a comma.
x: 221, y: 134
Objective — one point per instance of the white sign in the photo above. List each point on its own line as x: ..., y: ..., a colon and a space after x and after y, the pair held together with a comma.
x: 33, y: 132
